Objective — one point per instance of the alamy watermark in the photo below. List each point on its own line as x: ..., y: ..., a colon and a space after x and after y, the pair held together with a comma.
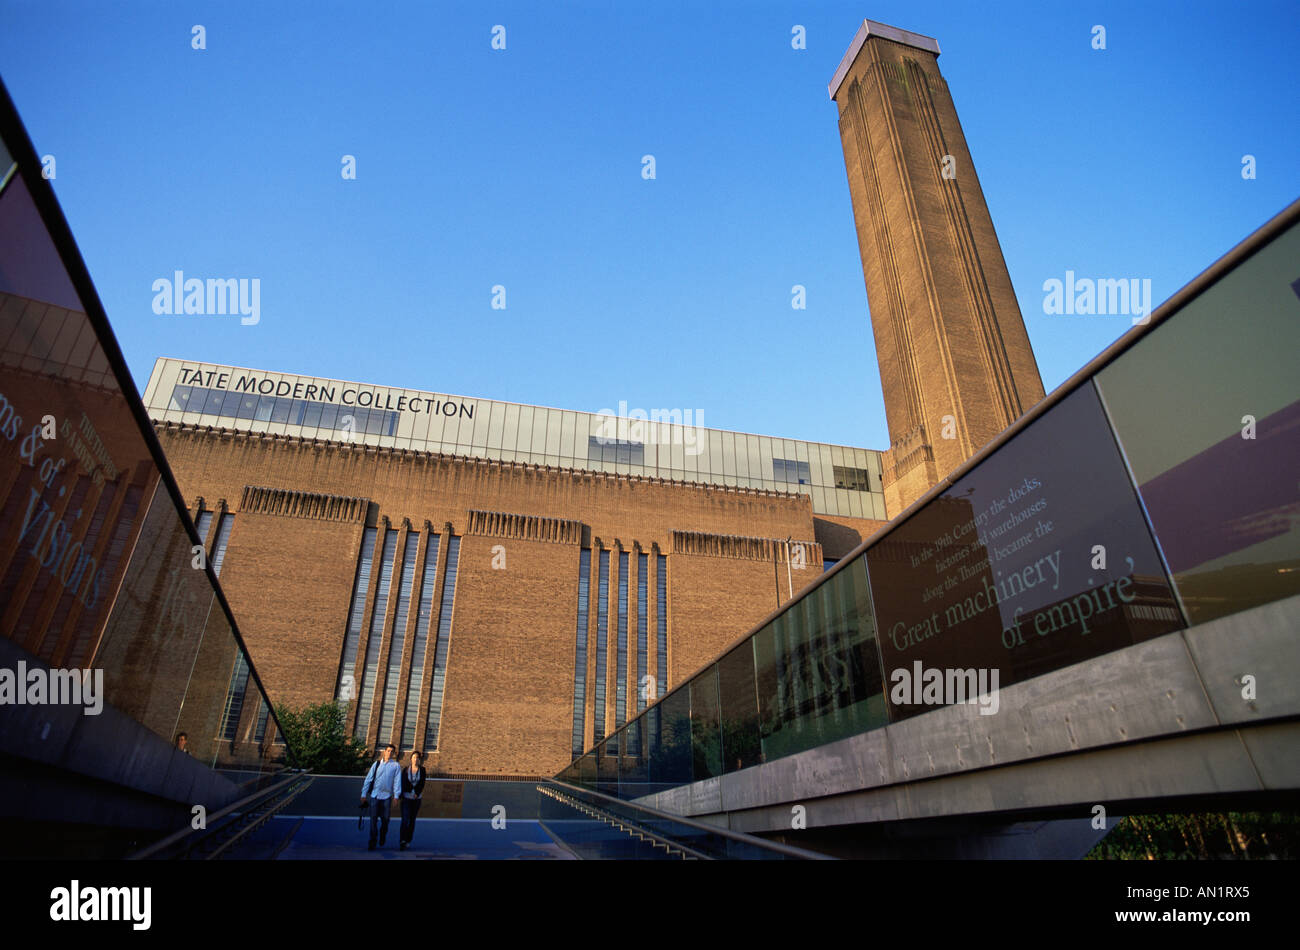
x: 658, y: 426
x: 945, y: 687
x: 40, y: 686
x: 1085, y: 296
x: 221, y: 295
x: 78, y: 902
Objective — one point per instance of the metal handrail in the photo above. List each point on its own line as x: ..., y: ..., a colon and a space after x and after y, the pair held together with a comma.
x: 737, y: 836
x: 666, y: 842
x: 240, y: 805
x: 239, y: 836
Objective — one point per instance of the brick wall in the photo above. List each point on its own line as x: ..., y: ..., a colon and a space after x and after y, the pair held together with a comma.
x: 301, y: 509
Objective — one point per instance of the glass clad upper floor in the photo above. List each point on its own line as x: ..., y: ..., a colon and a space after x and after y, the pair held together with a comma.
x: 840, y: 480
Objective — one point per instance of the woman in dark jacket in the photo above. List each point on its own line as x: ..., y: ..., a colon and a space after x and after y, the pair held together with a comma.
x: 412, y: 791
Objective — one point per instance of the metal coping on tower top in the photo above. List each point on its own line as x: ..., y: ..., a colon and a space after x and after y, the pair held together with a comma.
x: 884, y: 31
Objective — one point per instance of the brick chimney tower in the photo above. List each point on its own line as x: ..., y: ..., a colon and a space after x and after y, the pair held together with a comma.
x: 955, y: 361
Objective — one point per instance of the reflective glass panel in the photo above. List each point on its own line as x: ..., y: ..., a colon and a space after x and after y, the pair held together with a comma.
x: 1207, y: 409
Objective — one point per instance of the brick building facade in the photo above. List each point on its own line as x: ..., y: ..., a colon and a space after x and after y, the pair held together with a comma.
x: 501, y: 615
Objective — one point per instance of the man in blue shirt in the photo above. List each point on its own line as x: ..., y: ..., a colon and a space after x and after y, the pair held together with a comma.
x: 383, y: 786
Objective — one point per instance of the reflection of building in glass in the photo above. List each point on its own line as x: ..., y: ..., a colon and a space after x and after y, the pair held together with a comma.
x: 1249, y: 548
x: 59, y: 568
x: 1109, y: 616
x: 76, y: 512
x: 98, y: 578
x: 1222, y: 497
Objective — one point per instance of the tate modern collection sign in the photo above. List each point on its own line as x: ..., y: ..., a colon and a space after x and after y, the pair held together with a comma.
x: 343, y: 394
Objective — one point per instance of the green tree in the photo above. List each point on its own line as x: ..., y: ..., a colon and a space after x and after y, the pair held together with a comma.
x: 317, y: 734
x: 1199, y: 836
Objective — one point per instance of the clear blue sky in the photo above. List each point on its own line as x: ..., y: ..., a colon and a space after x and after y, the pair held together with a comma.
x: 522, y: 168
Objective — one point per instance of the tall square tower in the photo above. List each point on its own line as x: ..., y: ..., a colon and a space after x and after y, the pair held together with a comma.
x: 955, y: 361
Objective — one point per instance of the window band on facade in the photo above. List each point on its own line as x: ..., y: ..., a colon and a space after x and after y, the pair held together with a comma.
x: 580, y: 661
x: 620, y: 692
x: 397, y: 640
x: 263, y: 715
x: 280, y: 409
x: 601, y: 449
x: 661, y: 619
x: 345, y: 689
x: 415, y: 681
x: 852, y: 479
x: 791, y: 471
x: 602, y: 629
x: 239, y: 677
x: 444, y: 639
x: 366, y: 694
x: 202, y: 523
x: 224, y: 526
x: 642, y: 674
x: 235, y: 697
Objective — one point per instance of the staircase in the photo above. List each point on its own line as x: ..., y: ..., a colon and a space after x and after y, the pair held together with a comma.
x: 653, y: 845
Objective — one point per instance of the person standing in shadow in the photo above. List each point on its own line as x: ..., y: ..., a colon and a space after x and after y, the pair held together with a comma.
x: 412, y: 794
x: 385, y: 784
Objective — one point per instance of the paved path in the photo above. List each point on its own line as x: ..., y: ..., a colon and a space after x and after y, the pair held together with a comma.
x: 445, y: 839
